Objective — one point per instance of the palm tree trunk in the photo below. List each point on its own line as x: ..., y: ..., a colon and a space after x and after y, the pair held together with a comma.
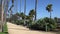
x: 25, y: 7
x: 24, y: 11
x: 50, y: 14
x: 20, y: 6
x: 16, y: 6
x: 35, y: 8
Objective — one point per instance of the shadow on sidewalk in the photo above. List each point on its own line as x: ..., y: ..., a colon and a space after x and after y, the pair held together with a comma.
x: 19, y: 29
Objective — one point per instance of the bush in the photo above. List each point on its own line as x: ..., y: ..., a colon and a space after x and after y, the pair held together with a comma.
x: 19, y: 22
x: 42, y: 23
x: 33, y: 26
x: 51, y: 23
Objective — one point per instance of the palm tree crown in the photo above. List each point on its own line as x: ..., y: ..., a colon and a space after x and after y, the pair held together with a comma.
x: 49, y: 7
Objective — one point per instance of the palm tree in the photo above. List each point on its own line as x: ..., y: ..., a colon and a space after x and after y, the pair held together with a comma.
x: 16, y: 5
x: 12, y: 1
x: 24, y: 11
x: 49, y: 8
x: 22, y: 15
x: 20, y: 6
x: 35, y: 8
x: 25, y: 7
x: 31, y: 14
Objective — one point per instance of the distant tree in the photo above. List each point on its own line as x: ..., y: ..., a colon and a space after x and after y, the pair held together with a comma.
x: 24, y: 11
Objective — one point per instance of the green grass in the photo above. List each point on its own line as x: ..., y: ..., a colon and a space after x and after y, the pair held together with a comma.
x: 5, y: 29
x: 2, y: 33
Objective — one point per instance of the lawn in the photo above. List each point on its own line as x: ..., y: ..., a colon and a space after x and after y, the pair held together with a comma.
x: 5, y: 29
x: 2, y: 33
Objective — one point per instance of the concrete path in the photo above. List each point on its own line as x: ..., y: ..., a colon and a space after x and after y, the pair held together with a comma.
x: 17, y: 29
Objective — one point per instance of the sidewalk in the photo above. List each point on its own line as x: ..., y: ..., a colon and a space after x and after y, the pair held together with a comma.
x: 16, y: 29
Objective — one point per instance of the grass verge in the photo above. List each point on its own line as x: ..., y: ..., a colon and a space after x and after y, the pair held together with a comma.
x: 5, y: 29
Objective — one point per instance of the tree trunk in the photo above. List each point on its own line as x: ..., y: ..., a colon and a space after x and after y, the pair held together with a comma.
x: 35, y: 8
x: 50, y: 15
x: 2, y: 14
x: 24, y: 12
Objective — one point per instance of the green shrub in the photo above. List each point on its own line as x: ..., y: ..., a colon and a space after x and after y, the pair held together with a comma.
x: 51, y: 23
x: 19, y: 22
x: 42, y: 23
x: 33, y: 25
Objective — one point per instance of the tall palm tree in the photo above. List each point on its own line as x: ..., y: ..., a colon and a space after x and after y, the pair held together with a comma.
x: 16, y: 6
x: 25, y: 7
x: 49, y: 8
x: 35, y: 8
x: 20, y: 6
x: 24, y: 11
x: 12, y: 2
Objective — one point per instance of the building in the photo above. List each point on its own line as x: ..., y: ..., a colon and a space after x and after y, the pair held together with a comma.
x: 58, y: 22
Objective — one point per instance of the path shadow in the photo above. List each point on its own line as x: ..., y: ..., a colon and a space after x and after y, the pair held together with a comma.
x: 19, y: 29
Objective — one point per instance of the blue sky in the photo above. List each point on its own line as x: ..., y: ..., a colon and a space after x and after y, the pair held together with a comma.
x: 41, y: 8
